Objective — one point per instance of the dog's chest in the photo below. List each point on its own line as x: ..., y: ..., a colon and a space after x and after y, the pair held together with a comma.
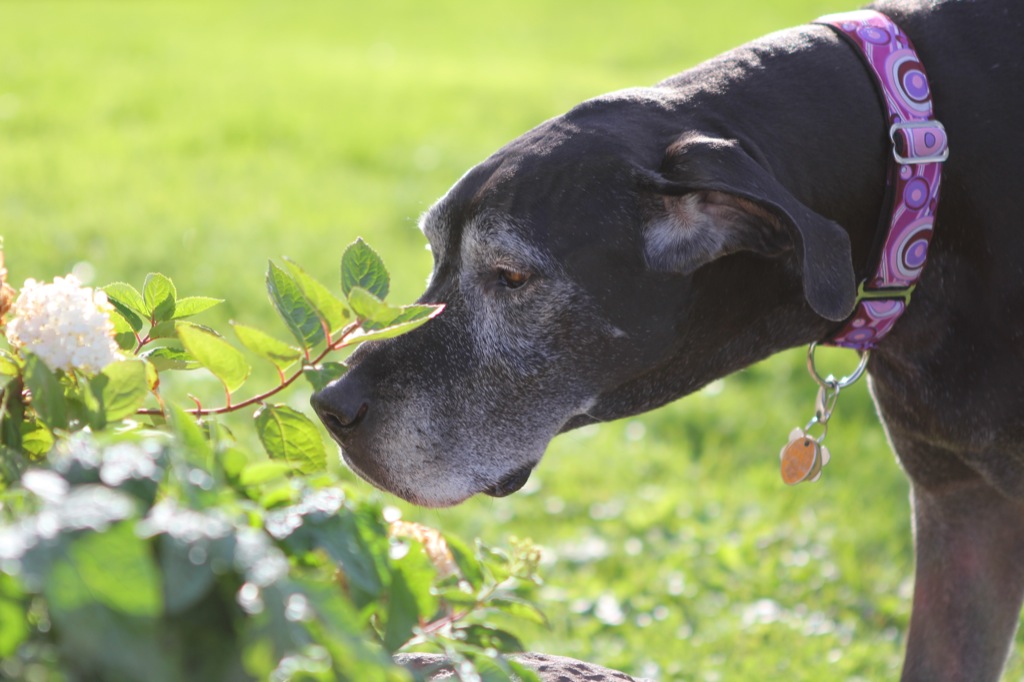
x: 960, y: 407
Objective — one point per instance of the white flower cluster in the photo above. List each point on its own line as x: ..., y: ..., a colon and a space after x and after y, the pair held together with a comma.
x: 65, y: 324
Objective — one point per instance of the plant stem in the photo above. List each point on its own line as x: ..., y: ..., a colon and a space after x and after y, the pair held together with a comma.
x: 456, y: 616
x: 285, y: 381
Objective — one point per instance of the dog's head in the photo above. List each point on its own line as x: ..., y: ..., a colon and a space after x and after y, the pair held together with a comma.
x: 591, y: 269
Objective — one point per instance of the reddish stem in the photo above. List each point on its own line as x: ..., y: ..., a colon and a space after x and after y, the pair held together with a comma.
x: 285, y: 382
x: 142, y: 342
x: 456, y: 616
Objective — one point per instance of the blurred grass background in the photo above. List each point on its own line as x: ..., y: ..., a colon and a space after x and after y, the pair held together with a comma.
x: 199, y: 139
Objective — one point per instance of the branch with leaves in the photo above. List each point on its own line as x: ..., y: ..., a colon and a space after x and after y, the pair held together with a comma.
x: 140, y: 540
x: 152, y: 327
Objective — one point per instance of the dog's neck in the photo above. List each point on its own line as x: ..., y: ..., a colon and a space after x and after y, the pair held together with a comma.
x: 915, y: 171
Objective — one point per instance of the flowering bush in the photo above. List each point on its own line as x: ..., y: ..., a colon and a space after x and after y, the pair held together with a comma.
x: 65, y: 324
x: 140, y: 540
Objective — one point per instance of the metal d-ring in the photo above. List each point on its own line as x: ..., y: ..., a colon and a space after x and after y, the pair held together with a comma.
x: 830, y: 382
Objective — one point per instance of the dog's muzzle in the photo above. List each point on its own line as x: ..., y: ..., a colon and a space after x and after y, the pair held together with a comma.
x: 343, y: 413
x: 510, y: 483
x: 345, y: 409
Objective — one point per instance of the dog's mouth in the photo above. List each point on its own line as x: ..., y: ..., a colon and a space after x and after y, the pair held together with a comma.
x: 510, y: 483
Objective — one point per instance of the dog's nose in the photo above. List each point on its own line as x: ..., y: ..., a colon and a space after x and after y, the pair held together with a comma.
x: 341, y: 407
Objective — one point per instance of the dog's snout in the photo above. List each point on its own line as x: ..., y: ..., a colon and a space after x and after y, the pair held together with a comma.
x: 342, y: 420
x: 340, y: 407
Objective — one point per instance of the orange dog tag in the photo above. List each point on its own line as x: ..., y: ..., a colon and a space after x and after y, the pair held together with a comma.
x: 802, y: 458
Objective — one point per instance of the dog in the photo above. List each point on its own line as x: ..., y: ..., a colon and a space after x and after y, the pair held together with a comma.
x: 649, y: 241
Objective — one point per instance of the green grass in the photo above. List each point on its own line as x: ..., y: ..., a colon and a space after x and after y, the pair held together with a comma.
x: 200, y: 139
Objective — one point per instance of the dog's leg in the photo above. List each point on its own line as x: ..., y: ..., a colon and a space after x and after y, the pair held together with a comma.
x: 969, y: 545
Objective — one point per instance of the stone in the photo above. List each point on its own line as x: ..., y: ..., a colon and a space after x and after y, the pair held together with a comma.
x: 549, y: 668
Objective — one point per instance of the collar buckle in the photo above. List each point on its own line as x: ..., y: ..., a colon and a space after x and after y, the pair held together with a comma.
x: 916, y: 142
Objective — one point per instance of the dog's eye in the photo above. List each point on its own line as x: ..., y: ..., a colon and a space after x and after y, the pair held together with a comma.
x: 512, y: 279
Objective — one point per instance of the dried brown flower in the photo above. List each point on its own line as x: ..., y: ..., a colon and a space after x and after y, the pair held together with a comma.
x: 433, y: 543
x: 7, y: 292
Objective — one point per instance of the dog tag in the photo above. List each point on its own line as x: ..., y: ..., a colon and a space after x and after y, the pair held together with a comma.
x: 802, y: 458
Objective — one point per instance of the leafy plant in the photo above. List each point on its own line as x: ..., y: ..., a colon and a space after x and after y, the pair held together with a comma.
x: 140, y: 540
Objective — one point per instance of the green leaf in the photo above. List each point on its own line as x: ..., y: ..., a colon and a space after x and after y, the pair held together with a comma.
x: 113, y: 567
x: 261, y: 473
x: 8, y: 365
x: 488, y: 637
x: 215, y: 354
x: 193, y: 305
x: 396, y: 328
x: 233, y: 461
x: 342, y: 622
x: 466, y: 560
x: 165, y: 358
x: 323, y: 374
x: 376, y: 315
x: 416, y: 313
x: 419, y: 573
x: 115, y: 646
x: 36, y: 439
x: 520, y: 609
x: 278, y: 495
x: 524, y: 673
x: 403, y: 613
x: 12, y: 414
x: 129, y: 321
x: 372, y: 312
x: 8, y: 372
x: 82, y: 406
x: 47, y: 393
x: 124, y: 331
x: 358, y: 542
x: 289, y: 436
x: 369, y: 307
x: 188, y: 433
x: 330, y: 306
x: 301, y: 317
x: 13, y: 610
x: 185, y: 580
x: 165, y: 330
x: 266, y: 346
x: 152, y: 376
x: 455, y: 596
x: 488, y: 666
x: 362, y: 267
x: 495, y: 562
x: 124, y: 296
x: 217, y: 431
x: 159, y: 295
x: 120, y: 389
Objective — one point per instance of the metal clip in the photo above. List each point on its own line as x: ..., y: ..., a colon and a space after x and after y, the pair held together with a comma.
x: 888, y: 293
x: 830, y: 380
x: 940, y: 132
x: 803, y: 457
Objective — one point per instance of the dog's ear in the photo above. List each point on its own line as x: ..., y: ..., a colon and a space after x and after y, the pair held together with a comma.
x: 713, y: 199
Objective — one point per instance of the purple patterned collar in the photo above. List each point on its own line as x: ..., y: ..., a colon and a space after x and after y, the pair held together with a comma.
x: 919, y: 148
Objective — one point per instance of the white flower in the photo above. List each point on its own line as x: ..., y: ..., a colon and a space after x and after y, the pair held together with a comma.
x: 65, y: 324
